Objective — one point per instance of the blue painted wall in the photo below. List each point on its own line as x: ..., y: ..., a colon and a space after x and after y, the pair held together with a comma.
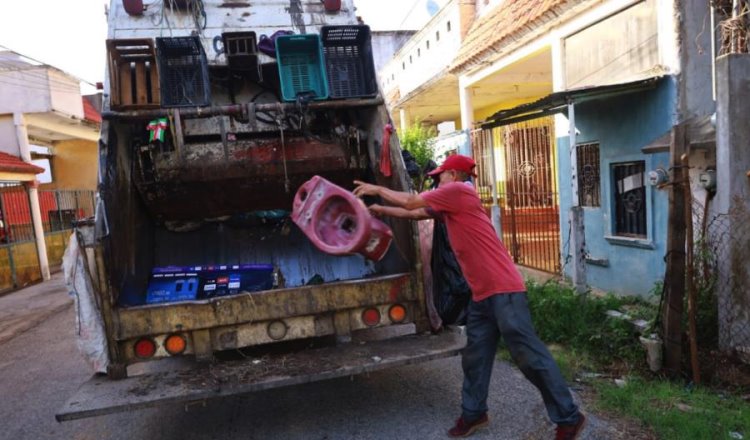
x: 622, y: 126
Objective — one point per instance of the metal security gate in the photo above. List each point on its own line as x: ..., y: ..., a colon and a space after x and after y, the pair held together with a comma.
x: 523, y: 157
x: 19, y: 258
x: 60, y: 208
x: 19, y: 261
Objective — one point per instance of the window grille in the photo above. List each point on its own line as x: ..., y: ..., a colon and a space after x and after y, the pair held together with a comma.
x: 630, y: 199
x: 589, y: 187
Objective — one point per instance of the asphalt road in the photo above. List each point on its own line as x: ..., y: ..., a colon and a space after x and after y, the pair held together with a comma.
x: 40, y: 369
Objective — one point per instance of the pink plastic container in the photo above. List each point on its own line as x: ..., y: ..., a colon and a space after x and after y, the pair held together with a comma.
x: 337, y: 222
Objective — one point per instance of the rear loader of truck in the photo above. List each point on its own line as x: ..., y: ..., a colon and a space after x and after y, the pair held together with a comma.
x: 215, y: 113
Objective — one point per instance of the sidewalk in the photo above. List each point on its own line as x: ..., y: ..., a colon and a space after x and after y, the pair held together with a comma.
x: 25, y: 308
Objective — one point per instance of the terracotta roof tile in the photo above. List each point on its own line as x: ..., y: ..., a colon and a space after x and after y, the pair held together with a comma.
x: 13, y: 164
x: 506, y: 23
x: 90, y: 113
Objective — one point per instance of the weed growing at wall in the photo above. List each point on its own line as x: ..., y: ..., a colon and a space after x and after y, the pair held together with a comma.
x: 579, y: 322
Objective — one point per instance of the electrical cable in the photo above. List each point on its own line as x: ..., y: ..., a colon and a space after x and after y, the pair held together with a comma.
x: 40, y: 78
x: 43, y: 64
x: 413, y: 6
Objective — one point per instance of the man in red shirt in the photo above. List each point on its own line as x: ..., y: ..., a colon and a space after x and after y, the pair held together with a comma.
x: 499, y: 305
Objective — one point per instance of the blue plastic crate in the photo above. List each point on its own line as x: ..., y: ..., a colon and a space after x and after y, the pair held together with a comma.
x: 301, y: 66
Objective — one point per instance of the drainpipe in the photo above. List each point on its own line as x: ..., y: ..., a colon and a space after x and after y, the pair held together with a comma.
x: 712, y: 13
x: 32, y: 187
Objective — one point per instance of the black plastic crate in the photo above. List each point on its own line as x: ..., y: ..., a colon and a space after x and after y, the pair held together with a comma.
x: 183, y: 72
x: 349, y: 64
x: 241, y: 50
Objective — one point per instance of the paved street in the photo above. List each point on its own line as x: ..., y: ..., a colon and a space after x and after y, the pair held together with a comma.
x: 40, y: 369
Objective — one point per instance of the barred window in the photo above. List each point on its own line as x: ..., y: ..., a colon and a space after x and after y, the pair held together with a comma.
x: 630, y: 199
x: 589, y: 189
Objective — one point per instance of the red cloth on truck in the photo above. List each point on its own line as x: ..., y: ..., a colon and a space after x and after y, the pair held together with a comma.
x: 385, y: 151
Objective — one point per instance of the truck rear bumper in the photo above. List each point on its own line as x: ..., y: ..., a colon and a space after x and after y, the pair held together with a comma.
x: 100, y: 395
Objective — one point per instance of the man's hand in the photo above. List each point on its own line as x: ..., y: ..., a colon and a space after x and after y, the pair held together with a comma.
x: 400, y: 199
x: 376, y: 209
x: 365, y: 189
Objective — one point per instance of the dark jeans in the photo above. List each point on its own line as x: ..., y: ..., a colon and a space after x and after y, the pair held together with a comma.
x: 508, y: 315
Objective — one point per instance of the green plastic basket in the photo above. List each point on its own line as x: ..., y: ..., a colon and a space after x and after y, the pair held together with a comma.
x: 301, y: 66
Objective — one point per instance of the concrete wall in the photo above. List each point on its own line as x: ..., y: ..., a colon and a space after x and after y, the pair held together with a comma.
x: 733, y: 198
x: 65, y: 94
x: 40, y: 90
x: 622, y: 126
x: 695, y: 90
x: 386, y: 43
x: 8, y: 140
x: 25, y: 91
x: 74, y: 166
x: 415, y: 63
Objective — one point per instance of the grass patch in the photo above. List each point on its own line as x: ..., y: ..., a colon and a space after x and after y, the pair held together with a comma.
x: 562, y: 316
x: 583, y: 339
x: 674, y: 412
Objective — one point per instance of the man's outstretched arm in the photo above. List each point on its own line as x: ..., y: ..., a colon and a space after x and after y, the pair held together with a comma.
x: 393, y: 211
x: 404, y: 200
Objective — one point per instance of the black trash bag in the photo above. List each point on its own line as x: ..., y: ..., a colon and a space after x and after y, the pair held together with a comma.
x: 451, y: 292
x: 412, y: 167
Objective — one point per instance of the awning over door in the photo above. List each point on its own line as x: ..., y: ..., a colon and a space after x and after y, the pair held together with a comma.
x: 558, y: 101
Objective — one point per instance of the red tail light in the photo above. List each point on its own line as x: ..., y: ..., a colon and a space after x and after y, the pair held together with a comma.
x: 371, y: 317
x: 145, y: 348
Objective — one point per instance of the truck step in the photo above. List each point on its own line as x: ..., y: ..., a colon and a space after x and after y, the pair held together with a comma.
x: 202, y: 382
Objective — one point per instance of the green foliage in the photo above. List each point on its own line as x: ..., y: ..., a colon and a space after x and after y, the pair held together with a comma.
x: 563, y: 316
x: 675, y: 412
x: 584, y: 339
x: 707, y: 308
x: 415, y: 140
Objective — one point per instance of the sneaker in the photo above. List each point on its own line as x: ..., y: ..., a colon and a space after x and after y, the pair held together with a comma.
x: 571, y: 432
x: 465, y: 429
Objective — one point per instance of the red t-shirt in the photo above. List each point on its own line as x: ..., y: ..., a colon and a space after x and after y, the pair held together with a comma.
x: 485, y: 262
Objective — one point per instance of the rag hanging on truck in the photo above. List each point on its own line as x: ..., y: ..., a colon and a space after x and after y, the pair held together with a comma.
x: 385, y: 151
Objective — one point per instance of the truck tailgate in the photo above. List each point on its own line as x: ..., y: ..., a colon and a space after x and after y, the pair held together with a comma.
x: 201, y: 382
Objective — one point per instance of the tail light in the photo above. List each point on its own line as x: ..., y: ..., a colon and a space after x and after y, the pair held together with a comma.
x: 144, y: 348
x: 371, y: 317
x: 397, y: 313
x: 175, y: 344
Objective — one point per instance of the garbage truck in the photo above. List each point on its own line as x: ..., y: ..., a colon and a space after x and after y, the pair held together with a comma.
x: 191, y: 282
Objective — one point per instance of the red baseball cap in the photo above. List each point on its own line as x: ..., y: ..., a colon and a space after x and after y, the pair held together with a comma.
x: 456, y: 162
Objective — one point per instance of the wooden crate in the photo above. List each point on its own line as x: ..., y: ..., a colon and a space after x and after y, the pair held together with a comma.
x: 133, y: 75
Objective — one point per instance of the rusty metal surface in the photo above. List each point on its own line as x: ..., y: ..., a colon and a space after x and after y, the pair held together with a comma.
x: 237, y: 109
x: 236, y: 177
x: 101, y: 396
x: 266, y: 305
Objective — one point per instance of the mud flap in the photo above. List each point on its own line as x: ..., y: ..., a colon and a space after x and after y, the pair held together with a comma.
x: 201, y: 382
